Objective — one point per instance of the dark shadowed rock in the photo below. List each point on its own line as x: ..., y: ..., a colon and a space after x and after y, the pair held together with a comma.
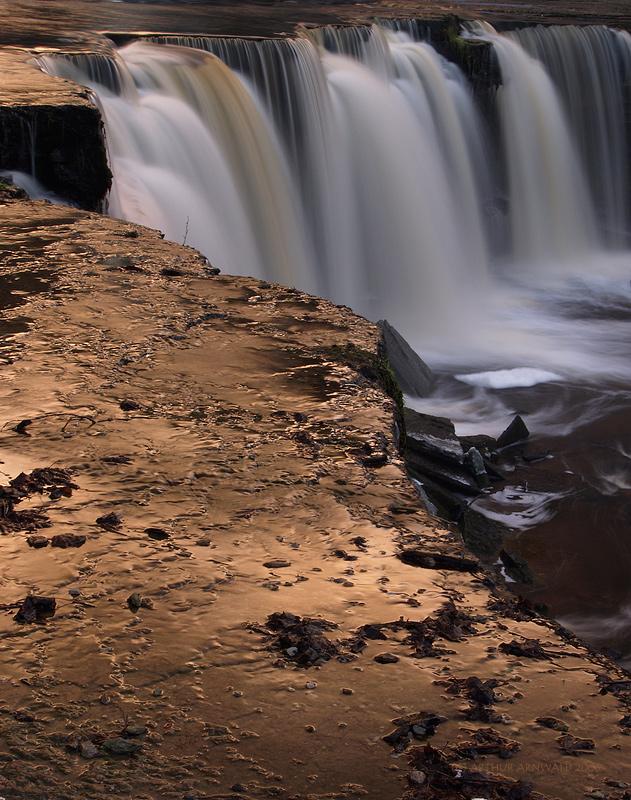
x: 516, y: 568
x: 434, y: 436
x: 483, y: 536
x: 516, y: 432
x: 34, y: 608
x: 475, y: 463
x: 445, y: 503
x: 451, y: 475
x: 413, y: 374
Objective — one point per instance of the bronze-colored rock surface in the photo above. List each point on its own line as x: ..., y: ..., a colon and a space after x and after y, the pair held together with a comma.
x: 237, y: 417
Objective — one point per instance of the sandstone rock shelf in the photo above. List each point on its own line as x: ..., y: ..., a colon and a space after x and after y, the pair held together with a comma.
x: 238, y: 418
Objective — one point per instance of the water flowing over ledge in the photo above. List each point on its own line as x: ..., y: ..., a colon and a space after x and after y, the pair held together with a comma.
x: 359, y: 164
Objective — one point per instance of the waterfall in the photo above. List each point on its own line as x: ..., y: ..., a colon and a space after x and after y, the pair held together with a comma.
x: 591, y: 69
x: 361, y: 165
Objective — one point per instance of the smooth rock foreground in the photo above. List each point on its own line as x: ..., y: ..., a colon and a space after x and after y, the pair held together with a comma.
x: 268, y: 642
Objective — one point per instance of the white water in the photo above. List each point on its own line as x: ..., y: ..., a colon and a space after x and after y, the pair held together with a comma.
x: 355, y: 163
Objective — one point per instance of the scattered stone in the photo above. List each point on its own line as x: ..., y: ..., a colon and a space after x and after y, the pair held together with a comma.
x: 519, y: 608
x: 122, y: 747
x: 135, y: 730
x: 574, y: 745
x: 88, y: 750
x: 413, y: 726
x: 416, y: 777
x: 372, y: 632
x: 553, y: 723
x: 375, y: 460
x: 486, y: 741
x: 74, y: 592
x: 277, y: 563
x: 343, y: 554
x: 65, y: 540
x: 22, y: 426
x: 482, y: 693
x: 313, y: 648
x: 158, y: 534
x: 386, y: 658
x: 444, y: 779
x: 37, y: 541
x: 35, y: 608
x: 516, y: 432
x: 120, y: 459
x: 529, y: 648
x: 435, y: 560
x: 477, y: 712
x: 310, y: 728
x: 129, y: 405
x: 135, y: 601
x: 111, y: 522
x: 347, y: 691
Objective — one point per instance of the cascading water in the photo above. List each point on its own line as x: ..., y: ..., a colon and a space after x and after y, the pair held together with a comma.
x: 306, y: 167
x: 488, y: 223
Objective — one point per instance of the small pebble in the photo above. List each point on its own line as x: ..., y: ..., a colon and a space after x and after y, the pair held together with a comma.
x: 311, y: 685
x: 416, y: 777
x: 74, y: 593
x: 347, y: 691
x: 157, y: 692
x: 309, y: 728
x: 237, y: 694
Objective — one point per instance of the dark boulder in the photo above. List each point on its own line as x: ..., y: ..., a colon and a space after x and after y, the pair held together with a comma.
x: 515, y: 567
x: 483, y: 536
x: 516, y: 432
x: 433, y: 436
x: 412, y: 373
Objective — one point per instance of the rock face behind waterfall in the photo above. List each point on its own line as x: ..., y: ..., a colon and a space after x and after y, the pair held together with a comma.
x: 50, y: 130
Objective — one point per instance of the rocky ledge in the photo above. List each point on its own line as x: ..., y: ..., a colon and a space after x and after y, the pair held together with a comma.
x: 219, y: 581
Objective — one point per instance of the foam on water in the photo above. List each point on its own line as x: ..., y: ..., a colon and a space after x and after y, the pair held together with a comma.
x: 509, y: 378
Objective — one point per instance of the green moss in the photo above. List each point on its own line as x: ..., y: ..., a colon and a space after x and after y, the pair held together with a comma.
x: 375, y: 368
